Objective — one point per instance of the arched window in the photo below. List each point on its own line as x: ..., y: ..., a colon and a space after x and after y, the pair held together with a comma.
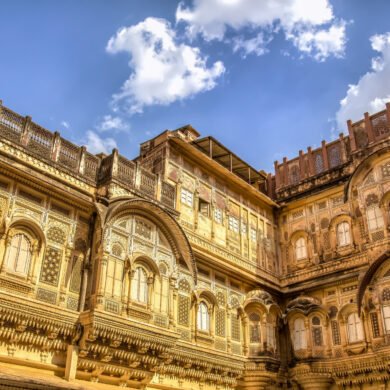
x: 374, y: 218
x: 19, y: 254
x: 316, y: 331
x: 386, y: 317
x: 343, y: 234
x: 355, y: 329
x: 299, y: 334
x: 270, y: 336
x: 139, y: 286
x: 300, y: 249
x: 254, y: 328
x: 203, y: 317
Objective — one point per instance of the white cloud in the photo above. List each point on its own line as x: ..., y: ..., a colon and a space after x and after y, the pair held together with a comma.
x: 65, y: 124
x: 321, y: 43
x: 256, y: 45
x: 372, y: 90
x: 113, y: 123
x: 310, y: 25
x: 96, y: 144
x: 163, y: 70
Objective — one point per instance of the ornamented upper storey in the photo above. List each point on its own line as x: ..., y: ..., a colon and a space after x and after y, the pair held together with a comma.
x: 333, y: 161
x: 77, y: 166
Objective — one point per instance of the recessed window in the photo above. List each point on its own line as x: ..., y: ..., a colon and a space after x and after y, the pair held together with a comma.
x: 233, y: 224
x: 187, y: 197
x: 244, y: 227
x: 19, y: 254
x: 386, y: 317
x: 253, y: 234
x: 300, y: 249
x: 374, y: 218
x: 343, y: 234
x: 299, y: 334
x: 203, y: 317
x: 218, y: 215
x: 270, y: 335
x: 355, y: 329
x: 204, y: 208
x: 139, y: 286
x: 254, y: 328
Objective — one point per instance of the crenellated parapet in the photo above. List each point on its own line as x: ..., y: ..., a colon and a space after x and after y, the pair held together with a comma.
x: 333, y: 162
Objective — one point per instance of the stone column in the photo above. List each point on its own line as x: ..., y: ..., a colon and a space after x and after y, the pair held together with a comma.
x: 229, y: 330
x: 211, y: 311
x: 102, y: 282
x: 72, y: 357
x: 64, y: 273
x: 36, y: 263
x: 7, y: 244
x: 194, y: 322
x: 245, y: 335
x: 196, y: 209
x: 172, y: 306
x: 150, y: 304
x: 313, y: 382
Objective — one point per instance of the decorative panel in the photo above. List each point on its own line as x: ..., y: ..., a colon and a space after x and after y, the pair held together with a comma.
x: 220, y: 322
x: 47, y: 296
x: 183, y: 310
x: 51, y: 266
x: 75, y: 279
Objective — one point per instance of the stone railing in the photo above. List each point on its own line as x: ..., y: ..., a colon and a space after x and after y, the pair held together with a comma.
x: 76, y: 160
x: 332, y: 155
x: 47, y: 145
x: 312, y: 163
x: 369, y: 130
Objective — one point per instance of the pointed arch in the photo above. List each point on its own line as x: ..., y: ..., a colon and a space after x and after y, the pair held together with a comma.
x: 367, y: 277
x: 162, y: 219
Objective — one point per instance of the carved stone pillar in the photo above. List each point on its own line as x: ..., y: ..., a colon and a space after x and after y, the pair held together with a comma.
x: 229, y: 330
x: 308, y: 338
x: 211, y: 311
x: 194, y: 322
x: 131, y: 276
x: 150, y: 304
x: 3, y: 249
x: 35, y: 264
x: 65, y: 268
x: 245, y: 335
x: 314, y: 382
x: 7, y: 244
x: 172, y: 306
x: 196, y: 209
x: 102, y: 282
x: 72, y: 356
x: 368, y: 338
x: 343, y: 333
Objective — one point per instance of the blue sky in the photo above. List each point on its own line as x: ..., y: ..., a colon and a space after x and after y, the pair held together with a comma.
x: 265, y: 77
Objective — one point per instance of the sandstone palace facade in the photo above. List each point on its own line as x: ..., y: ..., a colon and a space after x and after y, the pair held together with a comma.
x: 186, y: 268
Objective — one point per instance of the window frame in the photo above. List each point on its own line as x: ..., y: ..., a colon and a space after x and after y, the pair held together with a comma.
x: 234, y: 224
x: 203, y: 317
x: 300, y: 334
x: 386, y: 318
x: 17, y: 260
x: 343, y: 235
x: 356, y: 326
x: 186, y: 197
x: 300, y: 250
x: 375, y: 219
x: 136, y: 298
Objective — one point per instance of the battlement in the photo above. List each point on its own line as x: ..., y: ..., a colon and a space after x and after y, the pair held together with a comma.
x: 333, y: 155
